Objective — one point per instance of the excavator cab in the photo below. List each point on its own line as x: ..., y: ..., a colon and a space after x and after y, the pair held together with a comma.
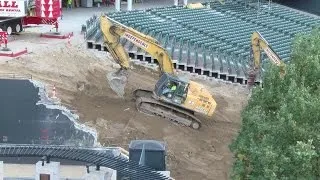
x: 171, y: 89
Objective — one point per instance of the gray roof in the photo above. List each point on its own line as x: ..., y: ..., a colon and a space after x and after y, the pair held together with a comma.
x: 121, y: 165
x: 148, y: 145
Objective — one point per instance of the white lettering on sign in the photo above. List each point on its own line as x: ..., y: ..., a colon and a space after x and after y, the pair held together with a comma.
x: 11, y: 8
x: 136, y: 40
x: 272, y: 56
x: 8, y: 4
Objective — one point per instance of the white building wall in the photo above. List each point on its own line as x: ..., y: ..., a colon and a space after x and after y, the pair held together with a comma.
x: 103, y: 174
x: 52, y: 168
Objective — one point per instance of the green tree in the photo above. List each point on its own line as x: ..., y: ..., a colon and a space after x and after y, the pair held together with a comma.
x: 280, y: 133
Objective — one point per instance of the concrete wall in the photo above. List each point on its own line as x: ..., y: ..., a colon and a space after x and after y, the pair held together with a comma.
x: 103, y: 174
x: 52, y: 168
x: 28, y: 170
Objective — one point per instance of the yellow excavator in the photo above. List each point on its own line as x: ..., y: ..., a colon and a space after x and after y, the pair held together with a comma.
x: 258, y: 43
x: 173, y: 97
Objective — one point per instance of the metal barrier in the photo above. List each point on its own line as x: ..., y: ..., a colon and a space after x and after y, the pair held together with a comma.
x: 4, y: 40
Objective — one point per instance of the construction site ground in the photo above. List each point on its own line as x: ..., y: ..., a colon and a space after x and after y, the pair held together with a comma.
x: 80, y: 78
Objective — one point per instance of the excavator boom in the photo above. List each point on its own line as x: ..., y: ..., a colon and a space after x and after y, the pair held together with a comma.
x: 112, y: 31
x: 258, y: 43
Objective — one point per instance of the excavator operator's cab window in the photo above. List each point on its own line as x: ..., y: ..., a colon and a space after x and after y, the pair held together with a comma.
x: 175, y: 91
x: 171, y: 89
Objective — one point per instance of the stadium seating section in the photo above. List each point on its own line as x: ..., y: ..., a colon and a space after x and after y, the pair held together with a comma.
x: 215, y: 40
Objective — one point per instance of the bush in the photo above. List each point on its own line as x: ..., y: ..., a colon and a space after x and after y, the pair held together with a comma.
x: 279, y: 137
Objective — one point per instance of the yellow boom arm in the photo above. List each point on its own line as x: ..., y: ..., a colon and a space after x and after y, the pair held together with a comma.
x: 112, y: 31
x: 259, y: 43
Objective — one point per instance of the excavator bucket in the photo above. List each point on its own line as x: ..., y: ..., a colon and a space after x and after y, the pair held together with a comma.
x: 118, y: 81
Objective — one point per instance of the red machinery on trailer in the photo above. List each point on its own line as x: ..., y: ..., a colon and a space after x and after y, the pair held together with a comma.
x: 14, y: 14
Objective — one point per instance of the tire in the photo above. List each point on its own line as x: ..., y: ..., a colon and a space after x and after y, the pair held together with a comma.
x: 18, y: 28
x: 195, y: 125
x: 9, y: 30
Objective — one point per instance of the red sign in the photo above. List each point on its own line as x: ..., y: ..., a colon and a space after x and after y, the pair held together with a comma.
x: 48, y: 8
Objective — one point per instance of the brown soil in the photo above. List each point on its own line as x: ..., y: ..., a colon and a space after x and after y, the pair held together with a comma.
x: 80, y: 78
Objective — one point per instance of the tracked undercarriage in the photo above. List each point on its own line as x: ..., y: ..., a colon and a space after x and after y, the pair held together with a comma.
x: 148, y: 103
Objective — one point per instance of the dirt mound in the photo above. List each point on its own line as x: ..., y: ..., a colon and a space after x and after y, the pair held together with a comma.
x: 202, y: 154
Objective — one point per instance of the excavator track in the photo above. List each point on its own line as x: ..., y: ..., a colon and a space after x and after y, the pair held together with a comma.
x: 147, y: 104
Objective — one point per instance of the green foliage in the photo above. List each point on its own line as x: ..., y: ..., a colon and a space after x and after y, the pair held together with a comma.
x: 280, y: 133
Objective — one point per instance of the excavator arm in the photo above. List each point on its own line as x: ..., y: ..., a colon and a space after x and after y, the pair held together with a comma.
x: 113, y: 31
x: 258, y: 43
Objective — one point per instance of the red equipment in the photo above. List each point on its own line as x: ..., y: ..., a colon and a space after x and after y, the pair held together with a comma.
x: 3, y: 38
x: 13, y: 15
